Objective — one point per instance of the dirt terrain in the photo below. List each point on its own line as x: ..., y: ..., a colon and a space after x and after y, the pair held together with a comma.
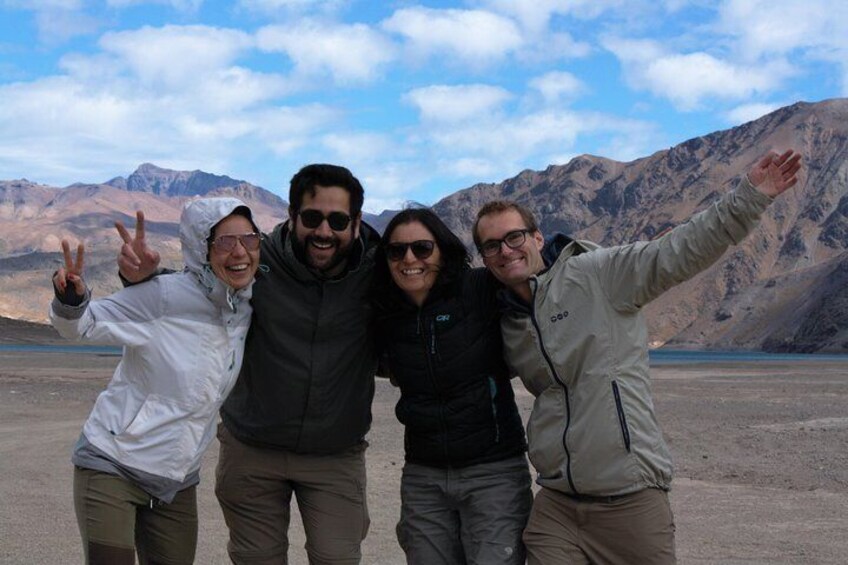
x: 761, y: 452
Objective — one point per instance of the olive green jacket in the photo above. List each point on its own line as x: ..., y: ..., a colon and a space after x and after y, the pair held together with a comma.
x: 581, y: 349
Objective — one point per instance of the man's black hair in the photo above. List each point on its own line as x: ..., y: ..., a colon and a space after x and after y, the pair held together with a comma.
x: 323, y: 175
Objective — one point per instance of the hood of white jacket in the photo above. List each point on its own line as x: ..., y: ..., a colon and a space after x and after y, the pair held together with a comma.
x: 196, y: 222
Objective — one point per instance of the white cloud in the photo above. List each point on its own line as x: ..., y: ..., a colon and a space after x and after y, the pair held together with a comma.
x: 557, y: 85
x: 442, y: 103
x: 349, y: 53
x: 780, y: 26
x: 285, y: 7
x: 535, y: 15
x: 360, y: 147
x: 117, y: 108
x: 57, y: 21
x: 496, y: 148
x: 750, y: 112
x: 474, y: 36
x: 180, y: 5
x: 688, y: 79
x: 38, y: 5
x: 472, y: 167
x: 173, y: 56
x: 86, y: 129
x: 810, y: 30
x: 60, y: 25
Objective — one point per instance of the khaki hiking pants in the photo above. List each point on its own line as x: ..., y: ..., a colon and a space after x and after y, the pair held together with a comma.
x: 255, y: 486
x: 117, y: 520
x: 617, y: 530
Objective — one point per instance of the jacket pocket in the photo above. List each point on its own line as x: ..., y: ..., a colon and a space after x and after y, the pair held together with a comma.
x: 622, y: 418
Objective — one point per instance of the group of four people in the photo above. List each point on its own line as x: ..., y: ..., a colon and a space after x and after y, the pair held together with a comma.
x: 332, y: 300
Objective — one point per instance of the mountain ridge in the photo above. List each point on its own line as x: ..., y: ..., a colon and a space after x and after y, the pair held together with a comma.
x: 780, y: 290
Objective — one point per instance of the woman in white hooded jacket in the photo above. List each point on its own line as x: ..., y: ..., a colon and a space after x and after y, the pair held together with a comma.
x: 138, y: 458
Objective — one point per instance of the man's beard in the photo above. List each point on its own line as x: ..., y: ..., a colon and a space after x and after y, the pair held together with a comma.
x: 340, y: 255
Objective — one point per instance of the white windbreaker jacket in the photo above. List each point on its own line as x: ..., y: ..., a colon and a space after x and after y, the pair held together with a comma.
x: 183, y: 337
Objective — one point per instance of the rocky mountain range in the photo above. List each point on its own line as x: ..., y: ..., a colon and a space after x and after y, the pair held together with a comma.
x: 783, y: 289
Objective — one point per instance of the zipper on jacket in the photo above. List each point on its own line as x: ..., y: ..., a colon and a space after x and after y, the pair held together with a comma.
x: 429, y: 343
x: 493, y: 392
x: 544, y: 351
x: 622, y: 420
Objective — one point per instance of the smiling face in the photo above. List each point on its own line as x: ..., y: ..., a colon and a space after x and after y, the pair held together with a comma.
x: 326, y: 249
x: 513, y: 267
x: 236, y: 267
x: 414, y: 276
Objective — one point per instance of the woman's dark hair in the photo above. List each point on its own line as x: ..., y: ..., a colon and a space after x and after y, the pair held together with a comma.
x: 455, y: 257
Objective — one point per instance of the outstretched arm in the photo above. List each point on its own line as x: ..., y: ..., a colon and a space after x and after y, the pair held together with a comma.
x: 136, y: 261
x: 637, y: 273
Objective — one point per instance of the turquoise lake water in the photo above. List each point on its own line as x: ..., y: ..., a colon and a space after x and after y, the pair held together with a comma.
x: 78, y: 349
x: 658, y: 357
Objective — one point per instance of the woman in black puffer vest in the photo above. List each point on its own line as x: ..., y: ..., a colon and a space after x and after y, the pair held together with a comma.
x: 466, y: 486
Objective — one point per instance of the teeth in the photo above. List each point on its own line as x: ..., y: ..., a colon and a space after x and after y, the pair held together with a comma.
x: 237, y: 268
x: 322, y: 245
x: 412, y: 271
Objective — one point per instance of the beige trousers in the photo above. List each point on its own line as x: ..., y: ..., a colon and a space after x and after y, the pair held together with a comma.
x: 624, y: 530
x: 255, y: 486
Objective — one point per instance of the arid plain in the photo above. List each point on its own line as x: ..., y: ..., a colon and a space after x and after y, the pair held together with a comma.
x: 761, y: 453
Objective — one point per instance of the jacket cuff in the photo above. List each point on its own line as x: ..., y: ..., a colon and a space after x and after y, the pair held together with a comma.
x: 155, y: 274
x: 750, y: 193
x: 68, y: 311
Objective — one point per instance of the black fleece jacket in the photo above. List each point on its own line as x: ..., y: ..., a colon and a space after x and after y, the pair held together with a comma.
x: 456, y: 402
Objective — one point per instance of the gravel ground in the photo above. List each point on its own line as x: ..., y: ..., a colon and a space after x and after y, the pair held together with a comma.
x: 761, y: 453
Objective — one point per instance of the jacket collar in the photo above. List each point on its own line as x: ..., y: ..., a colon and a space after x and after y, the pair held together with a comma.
x: 557, y: 247
x: 280, y: 253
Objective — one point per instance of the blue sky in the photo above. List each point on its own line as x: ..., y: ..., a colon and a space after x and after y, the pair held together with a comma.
x: 418, y: 98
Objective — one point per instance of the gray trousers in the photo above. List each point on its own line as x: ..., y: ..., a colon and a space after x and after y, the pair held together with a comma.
x: 474, y: 515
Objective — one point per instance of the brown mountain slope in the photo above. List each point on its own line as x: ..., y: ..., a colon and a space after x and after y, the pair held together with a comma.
x: 801, y: 241
x: 35, y: 218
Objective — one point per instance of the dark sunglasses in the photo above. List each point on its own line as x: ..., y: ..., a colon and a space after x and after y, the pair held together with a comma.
x: 422, y: 249
x: 226, y: 243
x: 311, y: 219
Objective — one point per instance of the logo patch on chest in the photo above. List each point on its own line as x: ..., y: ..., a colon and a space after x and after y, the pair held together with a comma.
x: 559, y: 316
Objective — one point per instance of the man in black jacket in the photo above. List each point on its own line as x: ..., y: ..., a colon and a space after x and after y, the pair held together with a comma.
x: 295, y: 423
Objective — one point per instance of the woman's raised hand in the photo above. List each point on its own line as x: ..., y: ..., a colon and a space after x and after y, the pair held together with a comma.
x: 71, y: 272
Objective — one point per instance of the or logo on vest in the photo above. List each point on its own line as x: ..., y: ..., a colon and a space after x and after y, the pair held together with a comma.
x: 443, y: 318
x: 559, y: 316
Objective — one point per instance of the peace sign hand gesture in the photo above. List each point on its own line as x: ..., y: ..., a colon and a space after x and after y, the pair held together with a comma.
x: 71, y: 273
x: 136, y: 261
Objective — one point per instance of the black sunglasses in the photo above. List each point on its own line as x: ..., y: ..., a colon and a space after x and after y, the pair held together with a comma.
x: 311, y: 219
x: 226, y: 243
x: 422, y: 249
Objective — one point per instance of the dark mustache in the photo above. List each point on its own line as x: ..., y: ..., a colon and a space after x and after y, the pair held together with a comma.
x: 320, y: 239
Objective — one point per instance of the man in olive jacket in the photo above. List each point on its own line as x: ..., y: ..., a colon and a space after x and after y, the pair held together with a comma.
x: 574, y: 332
x: 295, y: 423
